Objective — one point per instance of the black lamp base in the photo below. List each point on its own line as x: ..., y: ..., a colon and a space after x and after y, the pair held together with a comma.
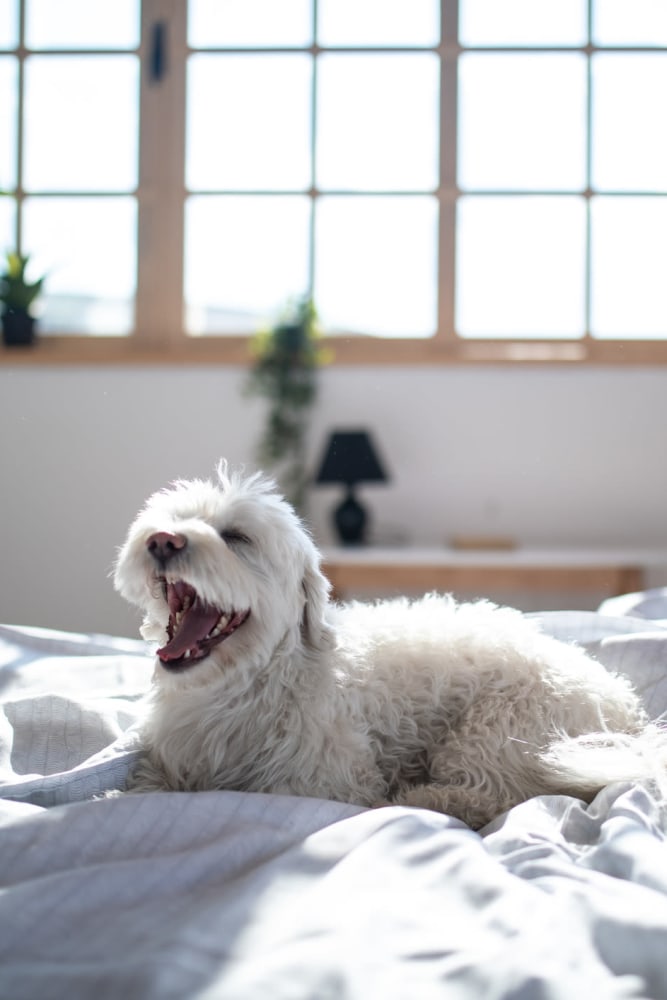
x: 350, y: 520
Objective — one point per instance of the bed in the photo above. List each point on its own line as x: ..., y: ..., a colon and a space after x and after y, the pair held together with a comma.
x: 244, y: 896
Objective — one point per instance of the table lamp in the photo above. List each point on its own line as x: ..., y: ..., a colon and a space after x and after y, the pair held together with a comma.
x: 350, y: 458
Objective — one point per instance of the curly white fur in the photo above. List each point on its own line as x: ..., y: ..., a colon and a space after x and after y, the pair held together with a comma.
x: 463, y: 708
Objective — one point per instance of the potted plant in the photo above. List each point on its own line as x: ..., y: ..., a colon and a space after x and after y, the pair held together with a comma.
x: 17, y: 296
x: 286, y: 359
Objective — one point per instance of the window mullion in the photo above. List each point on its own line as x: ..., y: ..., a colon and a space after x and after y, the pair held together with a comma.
x: 20, y: 112
x: 589, y: 172
x: 161, y: 193
x: 448, y: 173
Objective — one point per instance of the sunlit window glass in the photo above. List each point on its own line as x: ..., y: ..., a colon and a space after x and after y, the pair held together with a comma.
x: 378, y: 22
x: 8, y: 122
x: 376, y: 265
x: 244, y: 258
x: 628, y: 265
x: 523, y: 22
x: 81, y: 123
x: 522, y: 121
x: 87, y: 249
x: 521, y: 266
x: 629, y: 138
x: 82, y: 24
x: 9, y: 24
x: 249, y: 120
x: 377, y: 122
x: 249, y: 23
x: 621, y: 22
x: 7, y: 224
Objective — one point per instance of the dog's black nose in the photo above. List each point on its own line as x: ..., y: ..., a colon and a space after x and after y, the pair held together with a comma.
x: 163, y: 545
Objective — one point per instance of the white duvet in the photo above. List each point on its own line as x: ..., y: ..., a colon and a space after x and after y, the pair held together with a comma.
x: 228, y: 895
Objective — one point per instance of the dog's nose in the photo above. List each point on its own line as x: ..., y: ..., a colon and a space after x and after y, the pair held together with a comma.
x: 163, y: 545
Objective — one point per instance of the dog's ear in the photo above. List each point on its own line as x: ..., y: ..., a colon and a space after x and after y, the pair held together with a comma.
x: 316, y: 631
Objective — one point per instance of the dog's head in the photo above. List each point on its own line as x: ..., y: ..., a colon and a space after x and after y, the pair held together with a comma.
x: 224, y: 572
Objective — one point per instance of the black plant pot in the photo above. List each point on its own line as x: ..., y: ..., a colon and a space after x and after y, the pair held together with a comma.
x: 18, y: 328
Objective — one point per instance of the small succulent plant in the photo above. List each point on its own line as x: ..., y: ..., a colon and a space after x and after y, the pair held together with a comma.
x: 16, y: 294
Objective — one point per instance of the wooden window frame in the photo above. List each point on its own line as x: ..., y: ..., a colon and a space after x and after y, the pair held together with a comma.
x: 159, y: 336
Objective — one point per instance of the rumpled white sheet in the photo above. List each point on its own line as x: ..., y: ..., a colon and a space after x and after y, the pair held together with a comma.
x: 67, y: 705
x: 247, y: 897
x: 227, y: 895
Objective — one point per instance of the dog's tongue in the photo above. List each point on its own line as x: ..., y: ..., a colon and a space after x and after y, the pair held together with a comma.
x: 195, y: 625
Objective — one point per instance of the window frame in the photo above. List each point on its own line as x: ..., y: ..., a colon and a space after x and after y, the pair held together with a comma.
x: 159, y: 336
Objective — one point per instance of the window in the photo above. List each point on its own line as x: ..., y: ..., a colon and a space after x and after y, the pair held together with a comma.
x: 562, y: 176
x: 69, y: 86
x: 482, y: 180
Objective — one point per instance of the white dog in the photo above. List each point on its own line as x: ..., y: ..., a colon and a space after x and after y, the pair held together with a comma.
x: 262, y: 684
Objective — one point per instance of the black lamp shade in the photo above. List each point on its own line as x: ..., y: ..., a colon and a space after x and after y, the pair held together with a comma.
x: 350, y: 458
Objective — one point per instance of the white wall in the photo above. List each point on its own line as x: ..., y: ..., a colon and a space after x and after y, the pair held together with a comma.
x: 547, y: 456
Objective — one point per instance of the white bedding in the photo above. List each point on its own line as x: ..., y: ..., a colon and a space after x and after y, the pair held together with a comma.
x: 229, y: 895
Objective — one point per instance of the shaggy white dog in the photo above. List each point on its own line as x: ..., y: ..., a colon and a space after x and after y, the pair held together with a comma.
x: 263, y: 684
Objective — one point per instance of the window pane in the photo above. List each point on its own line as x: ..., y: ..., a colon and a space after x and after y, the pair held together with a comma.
x: 376, y: 265
x: 81, y: 123
x: 642, y: 22
x: 80, y: 24
x: 87, y: 249
x: 9, y: 24
x: 378, y: 22
x: 378, y: 122
x: 238, y: 23
x: 8, y: 122
x: 523, y: 22
x: 520, y: 267
x: 628, y: 264
x: 7, y: 225
x: 244, y: 258
x: 522, y: 122
x: 629, y: 138
x: 249, y: 122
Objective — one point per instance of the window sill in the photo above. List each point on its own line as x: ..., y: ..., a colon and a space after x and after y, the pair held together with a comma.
x: 353, y: 351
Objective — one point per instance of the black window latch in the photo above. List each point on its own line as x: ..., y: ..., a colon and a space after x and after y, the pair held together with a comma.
x: 158, y: 52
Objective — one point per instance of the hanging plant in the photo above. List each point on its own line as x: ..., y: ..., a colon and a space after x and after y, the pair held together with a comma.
x: 284, y: 372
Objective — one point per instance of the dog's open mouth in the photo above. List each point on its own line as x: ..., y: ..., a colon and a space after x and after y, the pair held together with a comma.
x: 194, y: 627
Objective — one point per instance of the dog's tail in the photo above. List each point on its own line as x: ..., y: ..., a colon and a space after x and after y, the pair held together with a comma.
x: 582, y: 765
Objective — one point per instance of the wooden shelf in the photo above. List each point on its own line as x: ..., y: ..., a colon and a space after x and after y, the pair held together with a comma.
x: 412, y: 570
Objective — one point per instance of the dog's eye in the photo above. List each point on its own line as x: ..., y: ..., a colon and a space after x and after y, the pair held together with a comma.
x: 234, y: 537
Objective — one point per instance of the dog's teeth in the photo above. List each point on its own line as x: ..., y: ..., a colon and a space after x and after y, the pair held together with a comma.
x: 223, y: 622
